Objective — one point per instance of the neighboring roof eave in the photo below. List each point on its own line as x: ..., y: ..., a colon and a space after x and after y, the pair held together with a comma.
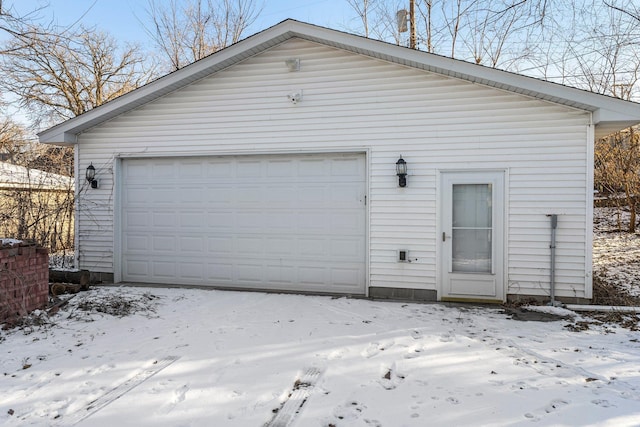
x: 608, y: 112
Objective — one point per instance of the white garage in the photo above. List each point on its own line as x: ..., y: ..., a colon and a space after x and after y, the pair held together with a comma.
x: 286, y: 222
x: 275, y: 164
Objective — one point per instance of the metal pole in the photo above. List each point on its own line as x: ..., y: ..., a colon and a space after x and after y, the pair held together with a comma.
x: 554, y: 225
x: 412, y: 20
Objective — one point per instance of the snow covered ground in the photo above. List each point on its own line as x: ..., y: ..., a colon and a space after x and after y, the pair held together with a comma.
x: 216, y: 358
x: 616, y: 254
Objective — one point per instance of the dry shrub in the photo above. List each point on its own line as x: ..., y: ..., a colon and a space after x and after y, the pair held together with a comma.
x: 607, y: 293
x: 118, y: 305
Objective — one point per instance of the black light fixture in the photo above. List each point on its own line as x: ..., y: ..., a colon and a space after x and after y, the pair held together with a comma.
x: 91, y: 176
x: 401, y: 171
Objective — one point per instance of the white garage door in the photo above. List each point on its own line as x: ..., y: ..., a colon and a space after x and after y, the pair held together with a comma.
x: 294, y: 222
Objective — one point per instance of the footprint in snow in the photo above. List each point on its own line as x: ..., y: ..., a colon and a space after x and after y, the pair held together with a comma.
x: 335, y: 354
x: 349, y: 411
x: 522, y: 385
x: 391, y: 379
x: 602, y: 402
x: 446, y: 338
x: 375, y: 348
x: 179, y: 395
x: 414, y: 352
x: 453, y: 400
x: 555, y: 405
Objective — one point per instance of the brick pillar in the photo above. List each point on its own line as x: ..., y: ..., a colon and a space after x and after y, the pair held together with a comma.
x: 24, y: 279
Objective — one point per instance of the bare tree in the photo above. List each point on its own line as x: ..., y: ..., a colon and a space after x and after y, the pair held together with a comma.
x: 425, y: 9
x: 628, y: 8
x: 479, y: 31
x: 20, y: 26
x: 617, y: 171
x: 56, y: 77
x: 189, y: 30
x: 363, y: 9
x: 13, y: 138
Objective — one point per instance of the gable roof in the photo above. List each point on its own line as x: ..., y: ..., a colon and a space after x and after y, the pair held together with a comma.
x: 609, y: 114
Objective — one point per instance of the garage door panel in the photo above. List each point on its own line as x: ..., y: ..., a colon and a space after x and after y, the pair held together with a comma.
x: 220, y: 272
x: 220, y: 221
x: 138, y: 195
x: 246, y: 169
x: 161, y: 196
x: 164, y: 219
x: 164, y: 244
x: 313, y: 276
x: 279, y: 221
x: 249, y: 196
x: 218, y: 168
x: 281, y: 247
x: 162, y: 169
x: 191, y: 220
x: 250, y: 245
x: 292, y: 222
x: 164, y: 269
x: 191, y: 270
x: 138, y: 269
x: 191, y: 195
x: 346, y: 168
x: 347, y: 222
x: 220, y: 245
x: 136, y: 242
x: 346, y: 194
x: 277, y: 275
x: 312, y: 168
x: 345, y: 276
x: 280, y: 168
x: 138, y: 173
x: 217, y: 196
x: 136, y: 219
x: 191, y: 245
x: 190, y: 169
x: 346, y: 249
x: 312, y: 247
x: 250, y: 273
x: 248, y: 221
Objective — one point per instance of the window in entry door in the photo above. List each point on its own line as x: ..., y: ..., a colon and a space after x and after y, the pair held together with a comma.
x: 472, y: 228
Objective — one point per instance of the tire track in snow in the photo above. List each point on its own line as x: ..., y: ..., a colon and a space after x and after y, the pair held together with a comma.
x: 118, y: 391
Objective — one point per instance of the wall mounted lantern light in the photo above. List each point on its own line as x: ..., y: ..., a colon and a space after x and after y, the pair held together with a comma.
x: 91, y: 176
x: 401, y: 171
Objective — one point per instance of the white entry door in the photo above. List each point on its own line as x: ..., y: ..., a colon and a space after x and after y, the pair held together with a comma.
x: 472, y: 218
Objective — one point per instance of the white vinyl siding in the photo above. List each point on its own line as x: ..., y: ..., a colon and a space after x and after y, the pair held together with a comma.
x: 354, y: 103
